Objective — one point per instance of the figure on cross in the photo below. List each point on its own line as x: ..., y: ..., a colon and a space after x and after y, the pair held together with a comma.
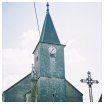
x: 89, y: 82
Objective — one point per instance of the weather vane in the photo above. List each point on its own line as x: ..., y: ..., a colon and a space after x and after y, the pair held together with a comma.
x: 89, y: 82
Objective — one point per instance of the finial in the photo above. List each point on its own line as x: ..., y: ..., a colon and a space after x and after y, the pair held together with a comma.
x: 88, y: 72
x: 47, y: 6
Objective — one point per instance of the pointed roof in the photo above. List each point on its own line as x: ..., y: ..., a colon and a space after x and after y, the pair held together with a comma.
x: 48, y: 34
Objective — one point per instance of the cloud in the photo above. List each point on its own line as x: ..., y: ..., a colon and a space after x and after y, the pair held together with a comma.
x: 74, y: 56
x: 72, y: 53
x: 29, y: 40
x: 17, y: 61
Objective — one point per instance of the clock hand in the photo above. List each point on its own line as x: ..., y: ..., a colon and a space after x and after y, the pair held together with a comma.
x: 52, y: 50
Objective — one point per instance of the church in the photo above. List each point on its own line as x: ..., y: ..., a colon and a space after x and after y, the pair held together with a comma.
x: 46, y: 82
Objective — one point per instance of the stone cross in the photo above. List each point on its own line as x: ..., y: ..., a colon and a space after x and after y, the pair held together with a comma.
x: 89, y: 82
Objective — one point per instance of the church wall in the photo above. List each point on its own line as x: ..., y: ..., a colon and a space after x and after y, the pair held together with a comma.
x: 17, y: 92
x: 33, y: 90
x: 51, y: 89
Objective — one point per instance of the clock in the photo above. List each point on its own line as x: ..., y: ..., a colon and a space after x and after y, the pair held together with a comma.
x: 52, y: 50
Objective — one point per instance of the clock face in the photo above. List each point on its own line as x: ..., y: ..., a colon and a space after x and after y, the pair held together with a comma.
x: 52, y: 50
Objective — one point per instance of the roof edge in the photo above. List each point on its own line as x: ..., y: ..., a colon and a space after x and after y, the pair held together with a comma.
x: 16, y: 83
x: 74, y: 87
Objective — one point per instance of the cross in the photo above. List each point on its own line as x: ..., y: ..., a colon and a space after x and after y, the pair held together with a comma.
x: 89, y: 82
x: 47, y: 6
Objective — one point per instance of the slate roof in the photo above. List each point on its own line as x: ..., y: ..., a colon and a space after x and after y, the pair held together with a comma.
x: 73, y: 87
x: 27, y: 76
x: 48, y: 34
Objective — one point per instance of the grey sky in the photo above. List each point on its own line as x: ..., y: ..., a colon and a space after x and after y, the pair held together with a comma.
x: 78, y: 26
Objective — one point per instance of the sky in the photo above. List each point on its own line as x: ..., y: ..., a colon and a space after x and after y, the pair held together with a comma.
x: 78, y: 26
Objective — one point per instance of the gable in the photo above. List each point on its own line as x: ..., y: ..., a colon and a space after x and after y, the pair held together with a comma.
x: 16, y: 93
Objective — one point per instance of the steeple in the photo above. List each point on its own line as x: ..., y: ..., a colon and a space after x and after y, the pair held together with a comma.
x: 48, y: 34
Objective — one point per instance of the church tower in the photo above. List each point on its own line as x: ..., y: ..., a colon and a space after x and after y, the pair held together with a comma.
x: 49, y: 65
x: 46, y: 82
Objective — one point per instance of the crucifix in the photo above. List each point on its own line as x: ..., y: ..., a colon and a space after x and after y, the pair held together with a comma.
x: 89, y: 82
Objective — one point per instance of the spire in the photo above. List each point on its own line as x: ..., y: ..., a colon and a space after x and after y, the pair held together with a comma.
x: 48, y: 34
